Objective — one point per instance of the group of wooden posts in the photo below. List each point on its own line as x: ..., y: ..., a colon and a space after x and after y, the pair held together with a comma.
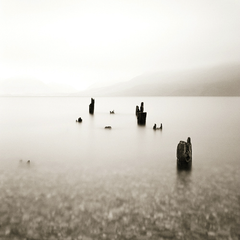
x: 141, y: 115
x: 184, y: 149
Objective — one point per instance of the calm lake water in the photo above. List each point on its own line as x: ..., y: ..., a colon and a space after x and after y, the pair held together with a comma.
x: 87, y: 182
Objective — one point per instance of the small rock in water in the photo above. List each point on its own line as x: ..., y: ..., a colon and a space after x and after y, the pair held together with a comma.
x: 79, y: 119
x: 223, y: 233
x: 7, y: 231
x: 166, y: 234
x: 211, y: 235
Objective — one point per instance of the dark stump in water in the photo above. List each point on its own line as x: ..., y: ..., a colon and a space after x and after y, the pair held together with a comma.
x: 141, y: 117
x: 137, y: 110
x: 157, y: 128
x: 140, y: 109
x: 184, y: 154
x: 91, y: 106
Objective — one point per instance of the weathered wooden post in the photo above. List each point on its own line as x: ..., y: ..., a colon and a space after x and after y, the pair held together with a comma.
x: 91, y: 106
x: 184, y: 154
x: 141, y: 117
x: 137, y: 110
x: 142, y: 107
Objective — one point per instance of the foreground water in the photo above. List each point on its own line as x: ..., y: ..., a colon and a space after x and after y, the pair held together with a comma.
x: 86, y: 182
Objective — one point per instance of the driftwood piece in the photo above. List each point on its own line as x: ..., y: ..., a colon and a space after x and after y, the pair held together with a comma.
x: 184, y: 154
x: 108, y: 127
x: 91, y: 106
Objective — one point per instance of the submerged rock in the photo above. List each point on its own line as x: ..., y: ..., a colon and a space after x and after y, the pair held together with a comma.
x: 79, y: 119
x: 157, y: 128
x: 166, y: 234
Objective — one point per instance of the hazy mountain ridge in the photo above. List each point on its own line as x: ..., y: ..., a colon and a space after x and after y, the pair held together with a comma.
x: 215, y: 81
x: 31, y: 87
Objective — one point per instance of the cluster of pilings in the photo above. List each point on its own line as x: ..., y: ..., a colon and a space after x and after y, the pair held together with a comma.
x: 184, y: 149
x: 141, y: 115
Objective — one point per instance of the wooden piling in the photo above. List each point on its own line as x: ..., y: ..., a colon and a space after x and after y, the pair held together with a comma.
x: 91, y: 106
x: 184, y: 154
x: 137, y: 110
x: 142, y: 107
x: 141, y: 117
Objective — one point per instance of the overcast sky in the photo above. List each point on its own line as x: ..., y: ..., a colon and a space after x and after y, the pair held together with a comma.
x: 82, y: 42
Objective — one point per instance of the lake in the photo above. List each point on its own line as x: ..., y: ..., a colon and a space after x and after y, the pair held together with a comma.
x: 87, y: 182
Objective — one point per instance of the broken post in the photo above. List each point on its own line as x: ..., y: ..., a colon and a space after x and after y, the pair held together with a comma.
x: 142, y: 107
x: 141, y: 117
x: 137, y: 110
x: 91, y: 106
x: 184, y: 154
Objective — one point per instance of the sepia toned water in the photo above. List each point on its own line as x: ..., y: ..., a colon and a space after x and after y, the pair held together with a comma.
x: 87, y: 182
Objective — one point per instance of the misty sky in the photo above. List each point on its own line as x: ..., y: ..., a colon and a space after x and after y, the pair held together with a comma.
x: 81, y: 43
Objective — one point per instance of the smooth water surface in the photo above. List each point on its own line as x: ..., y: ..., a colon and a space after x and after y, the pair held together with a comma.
x: 87, y: 182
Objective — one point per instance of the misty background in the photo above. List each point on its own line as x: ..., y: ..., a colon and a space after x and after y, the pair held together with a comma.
x: 123, y: 47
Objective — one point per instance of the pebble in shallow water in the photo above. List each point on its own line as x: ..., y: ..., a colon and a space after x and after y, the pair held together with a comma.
x: 95, y: 203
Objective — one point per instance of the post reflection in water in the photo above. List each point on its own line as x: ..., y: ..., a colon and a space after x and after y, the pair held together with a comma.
x: 183, y: 180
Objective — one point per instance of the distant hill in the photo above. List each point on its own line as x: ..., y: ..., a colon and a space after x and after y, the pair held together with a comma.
x: 31, y: 87
x: 214, y: 81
